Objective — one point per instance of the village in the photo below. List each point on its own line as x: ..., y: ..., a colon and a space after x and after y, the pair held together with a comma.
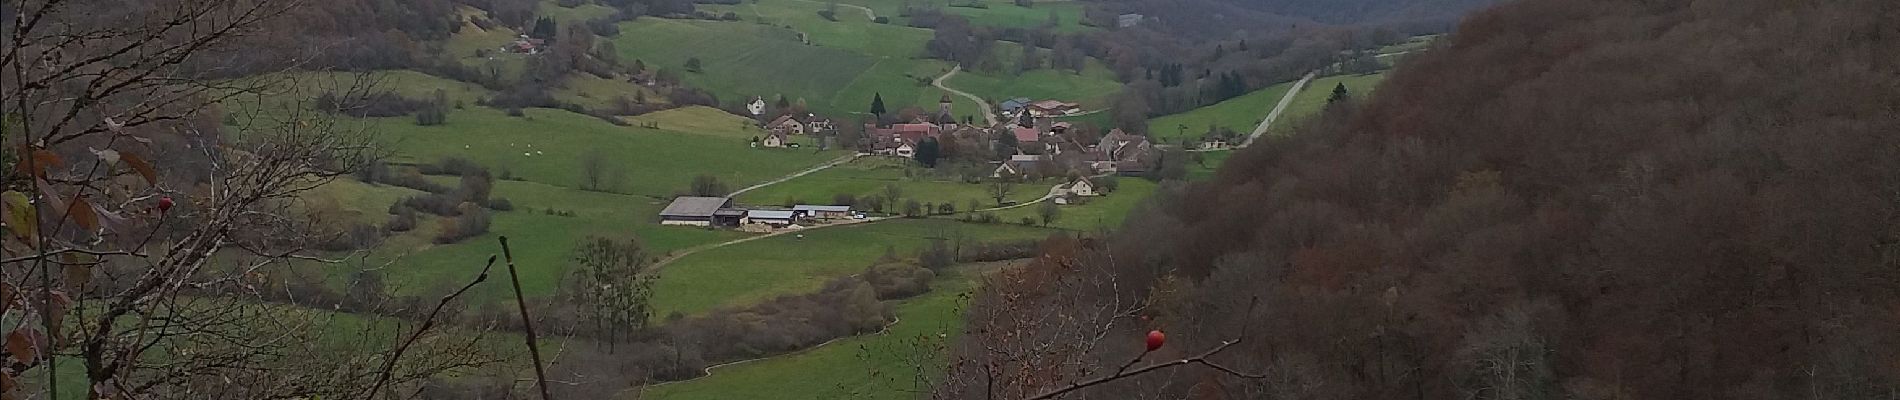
x: 1029, y: 144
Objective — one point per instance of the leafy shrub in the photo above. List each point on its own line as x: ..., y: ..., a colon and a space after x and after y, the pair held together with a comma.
x: 898, y: 280
x: 380, y: 104
x: 500, y: 204
x: 403, y: 219
x: 472, y: 222
x: 353, y: 237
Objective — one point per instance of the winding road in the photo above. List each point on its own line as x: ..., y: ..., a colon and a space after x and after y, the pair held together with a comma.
x: 989, y: 117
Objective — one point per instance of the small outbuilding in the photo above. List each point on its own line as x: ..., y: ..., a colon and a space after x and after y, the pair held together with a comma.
x: 771, y: 217
x: 822, y: 212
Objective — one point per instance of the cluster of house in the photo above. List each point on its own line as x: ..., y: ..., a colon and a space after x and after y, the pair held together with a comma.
x: 1021, y: 106
x: 720, y: 212
x: 1044, y: 146
x: 780, y: 130
x: 525, y: 45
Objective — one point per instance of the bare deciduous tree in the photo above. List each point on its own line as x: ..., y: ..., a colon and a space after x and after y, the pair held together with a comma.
x: 148, y: 229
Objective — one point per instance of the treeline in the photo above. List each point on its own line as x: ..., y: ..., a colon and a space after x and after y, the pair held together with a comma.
x: 1593, y: 199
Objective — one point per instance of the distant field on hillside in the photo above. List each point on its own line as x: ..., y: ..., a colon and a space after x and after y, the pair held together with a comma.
x: 745, y: 273
x: 744, y: 59
x: 868, y: 176
x: 998, y: 13
x: 702, y: 120
x: 1092, y: 87
x: 574, y: 15
x: 595, y: 92
x: 1241, y: 114
x: 848, y: 62
x: 549, y: 146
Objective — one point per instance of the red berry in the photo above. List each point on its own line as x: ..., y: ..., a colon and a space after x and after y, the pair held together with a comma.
x: 164, y: 204
x: 1156, y: 339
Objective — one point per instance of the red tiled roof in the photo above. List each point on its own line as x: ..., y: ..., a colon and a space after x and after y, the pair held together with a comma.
x: 914, y: 132
x: 1025, y: 134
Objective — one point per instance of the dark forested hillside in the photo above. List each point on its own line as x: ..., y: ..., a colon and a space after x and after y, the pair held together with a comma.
x: 1371, y: 11
x: 1586, y: 199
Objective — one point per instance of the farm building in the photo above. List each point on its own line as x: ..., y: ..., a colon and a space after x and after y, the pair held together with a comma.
x: 1011, y: 106
x: 822, y: 212
x: 1020, y: 165
x: 1082, y: 187
x: 771, y: 217
x: 1052, y: 108
x: 786, y: 125
x: 693, y: 210
x: 1128, y: 20
x: 774, y: 140
x: 729, y: 217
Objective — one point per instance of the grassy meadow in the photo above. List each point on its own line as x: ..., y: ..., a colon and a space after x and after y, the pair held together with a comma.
x: 745, y: 273
x: 868, y: 177
x: 877, y: 366
x: 1312, y: 100
x: 1098, y: 213
x: 1241, y: 114
x: 846, y: 63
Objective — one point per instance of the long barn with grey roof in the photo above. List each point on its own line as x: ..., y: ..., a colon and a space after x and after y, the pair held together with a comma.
x: 693, y: 210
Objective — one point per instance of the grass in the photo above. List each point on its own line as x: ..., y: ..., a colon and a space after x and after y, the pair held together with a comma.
x: 1241, y: 114
x: 741, y: 60
x: 1414, y: 43
x: 848, y: 62
x: 541, y: 242
x: 879, y: 366
x: 580, y: 14
x: 1002, y: 14
x: 1312, y: 99
x: 357, y: 201
x: 1210, y: 162
x: 1102, y: 212
x: 1008, y: 15
x: 1092, y: 87
x: 548, y: 146
x: 702, y: 120
x: 595, y: 92
x: 745, y: 273
x: 868, y: 177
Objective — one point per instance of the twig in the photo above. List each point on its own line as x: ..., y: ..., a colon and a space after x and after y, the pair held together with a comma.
x: 527, y: 324
x: 1197, y: 359
x: 1202, y: 359
x: 389, y: 365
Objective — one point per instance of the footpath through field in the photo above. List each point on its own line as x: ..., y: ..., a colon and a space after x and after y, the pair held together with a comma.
x: 807, y: 171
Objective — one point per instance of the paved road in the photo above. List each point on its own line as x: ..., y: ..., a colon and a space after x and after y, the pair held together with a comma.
x: 988, y: 116
x: 807, y: 171
x: 1277, y: 108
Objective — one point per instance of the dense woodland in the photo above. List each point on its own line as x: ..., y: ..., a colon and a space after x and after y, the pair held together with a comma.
x: 1563, y: 199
